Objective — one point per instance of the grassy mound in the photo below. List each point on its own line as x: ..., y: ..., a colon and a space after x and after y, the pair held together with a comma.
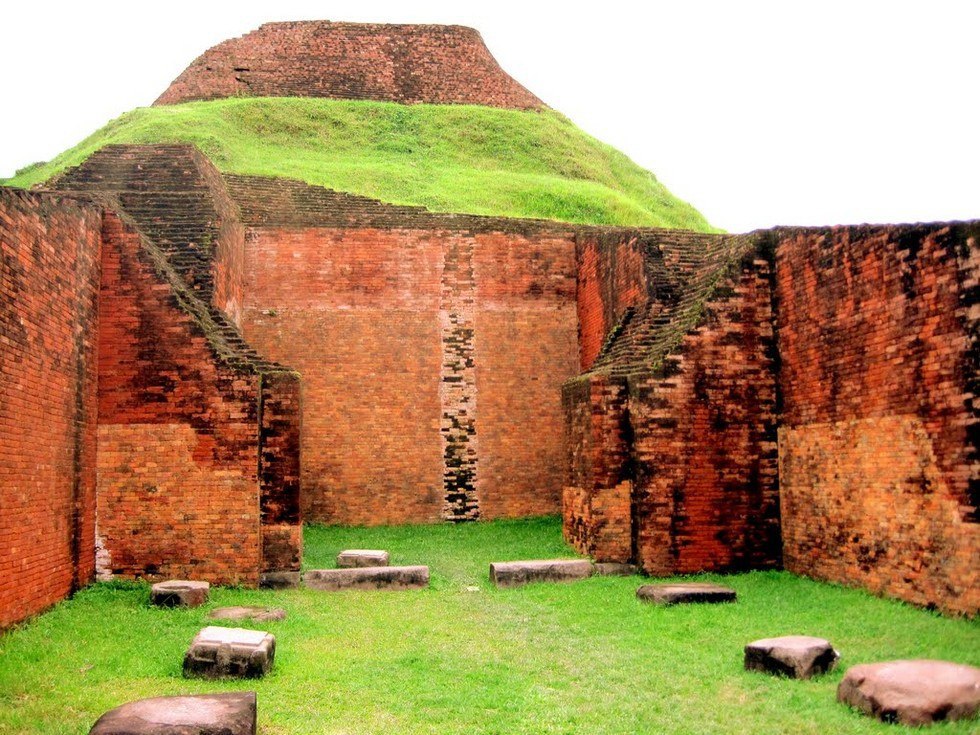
x: 449, y: 158
x: 545, y: 659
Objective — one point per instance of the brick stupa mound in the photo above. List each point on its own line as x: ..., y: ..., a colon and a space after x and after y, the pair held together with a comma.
x: 359, y: 61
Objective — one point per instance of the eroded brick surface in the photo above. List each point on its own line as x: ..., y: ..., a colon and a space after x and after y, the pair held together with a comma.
x: 878, y: 448
x: 362, y: 61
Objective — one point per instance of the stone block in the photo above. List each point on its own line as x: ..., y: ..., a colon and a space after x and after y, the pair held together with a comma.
x: 260, y: 614
x: 795, y: 656
x: 230, y: 652
x: 916, y: 692
x: 232, y: 713
x: 685, y: 593
x: 362, y: 558
x: 368, y: 578
x: 615, y: 569
x: 279, y: 580
x: 179, y: 592
x: 517, y: 573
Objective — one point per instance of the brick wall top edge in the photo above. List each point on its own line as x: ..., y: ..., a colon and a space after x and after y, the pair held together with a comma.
x: 42, y: 197
x: 864, y: 228
x: 406, y: 63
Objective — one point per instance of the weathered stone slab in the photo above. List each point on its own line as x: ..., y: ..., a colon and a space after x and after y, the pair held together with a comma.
x: 261, y: 614
x: 232, y: 713
x: 279, y: 580
x: 368, y: 578
x: 685, y: 593
x: 795, y: 656
x: 179, y: 592
x: 916, y: 692
x: 615, y: 569
x: 352, y: 558
x: 230, y: 652
x: 517, y: 573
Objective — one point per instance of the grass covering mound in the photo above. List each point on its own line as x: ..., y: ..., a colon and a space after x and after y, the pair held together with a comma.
x: 548, y: 658
x: 449, y: 158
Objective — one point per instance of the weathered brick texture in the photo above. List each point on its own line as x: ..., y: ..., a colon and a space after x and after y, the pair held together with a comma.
x: 705, y: 437
x: 429, y: 361
x: 671, y: 436
x: 49, y: 275
x: 178, y: 432
x: 878, y: 445
x: 361, y: 61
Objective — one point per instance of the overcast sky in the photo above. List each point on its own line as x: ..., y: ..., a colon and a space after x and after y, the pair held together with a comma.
x: 758, y: 113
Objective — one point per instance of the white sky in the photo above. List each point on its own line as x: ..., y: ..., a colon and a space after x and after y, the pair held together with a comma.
x: 758, y: 113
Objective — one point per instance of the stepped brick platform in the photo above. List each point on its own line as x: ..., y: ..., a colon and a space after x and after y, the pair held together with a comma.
x: 231, y: 713
x: 218, y: 652
x: 917, y: 692
x: 179, y: 592
x: 434, y: 64
x: 362, y: 558
x: 795, y: 656
x: 518, y: 573
x: 259, y: 614
x: 683, y: 594
x: 367, y: 578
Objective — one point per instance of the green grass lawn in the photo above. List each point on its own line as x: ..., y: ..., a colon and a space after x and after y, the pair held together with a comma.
x: 578, y: 658
x: 450, y: 158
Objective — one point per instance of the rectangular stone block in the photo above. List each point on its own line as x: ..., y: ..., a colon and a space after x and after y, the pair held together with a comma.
x: 352, y: 558
x: 218, y: 652
x: 368, y: 578
x: 517, y: 573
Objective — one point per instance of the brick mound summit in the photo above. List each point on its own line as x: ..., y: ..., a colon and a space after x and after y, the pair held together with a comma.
x: 394, y: 63
x: 204, y: 360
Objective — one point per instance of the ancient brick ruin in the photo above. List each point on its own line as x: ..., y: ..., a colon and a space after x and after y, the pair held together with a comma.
x: 194, y: 362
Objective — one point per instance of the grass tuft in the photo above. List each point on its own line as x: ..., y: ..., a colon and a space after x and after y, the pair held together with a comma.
x: 577, y: 658
x: 449, y: 158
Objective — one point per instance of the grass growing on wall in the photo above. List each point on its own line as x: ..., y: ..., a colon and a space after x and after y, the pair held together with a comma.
x: 579, y: 658
x: 449, y: 158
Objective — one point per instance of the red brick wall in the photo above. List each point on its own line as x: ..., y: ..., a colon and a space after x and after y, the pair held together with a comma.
x: 597, y: 514
x: 395, y: 63
x: 611, y: 277
x: 178, y: 492
x: 431, y: 362
x: 878, y: 447
x: 49, y: 274
x: 705, y: 438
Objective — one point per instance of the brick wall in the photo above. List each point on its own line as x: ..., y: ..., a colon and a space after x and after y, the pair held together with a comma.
x: 187, y: 456
x: 707, y: 493
x: 49, y: 275
x: 671, y: 435
x: 597, y: 512
x: 878, y: 445
x: 361, y: 61
x: 431, y: 361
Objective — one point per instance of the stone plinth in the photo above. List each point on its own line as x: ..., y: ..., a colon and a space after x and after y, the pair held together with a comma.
x: 353, y: 558
x: 517, y: 573
x: 367, y: 578
x: 232, y: 713
x: 261, y: 614
x: 795, y: 656
x: 615, y: 569
x: 916, y: 692
x: 680, y: 594
x: 279, y: 580
x: 179, y: 592
x: 230, y: 652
